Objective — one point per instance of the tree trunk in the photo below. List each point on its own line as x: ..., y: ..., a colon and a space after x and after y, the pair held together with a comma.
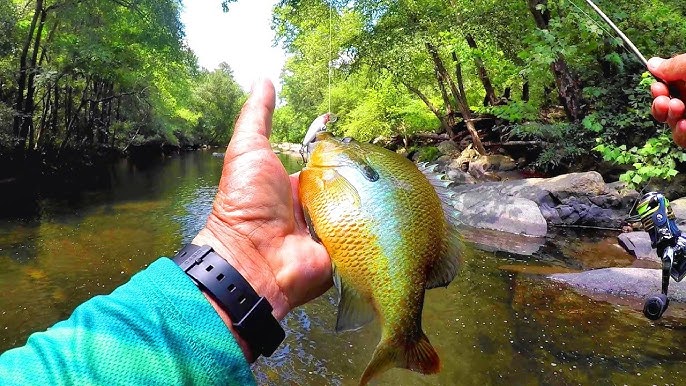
x: 490, y: 98
x: 568, y: 85
x: 442, y: 77
x: 569, y: 90
x: 464, y: 108
x: 73, y: 117
x: 458, y: 94
x: 55, y: 110
x: 43, y: 118
x: 27, y: 129
x: 420, y: 94
x: 21, y: 79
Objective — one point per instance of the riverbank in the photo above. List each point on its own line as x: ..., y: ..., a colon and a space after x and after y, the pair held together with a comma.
x: 63, y: 173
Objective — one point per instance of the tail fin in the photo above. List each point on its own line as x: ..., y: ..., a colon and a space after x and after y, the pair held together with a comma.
x: 418, y: 356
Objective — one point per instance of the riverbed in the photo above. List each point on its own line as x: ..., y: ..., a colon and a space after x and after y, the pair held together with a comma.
x: 499, y: 322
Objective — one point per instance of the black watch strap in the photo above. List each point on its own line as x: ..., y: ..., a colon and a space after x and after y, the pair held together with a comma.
x: 250, y: 313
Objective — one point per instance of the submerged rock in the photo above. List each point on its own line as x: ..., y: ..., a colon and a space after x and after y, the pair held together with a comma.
x: 638, y: 245
x: 623, y: 282
x: 498, y: 241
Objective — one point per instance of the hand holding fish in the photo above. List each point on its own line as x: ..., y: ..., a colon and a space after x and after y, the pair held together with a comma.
x: 257, y: 224
x: 667, y: 108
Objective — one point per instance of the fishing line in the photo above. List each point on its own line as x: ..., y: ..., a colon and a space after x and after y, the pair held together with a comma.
x: 330, y: 50
x: 631, y: 50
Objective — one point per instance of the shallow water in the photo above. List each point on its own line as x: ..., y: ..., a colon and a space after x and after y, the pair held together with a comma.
x: 498, y: 322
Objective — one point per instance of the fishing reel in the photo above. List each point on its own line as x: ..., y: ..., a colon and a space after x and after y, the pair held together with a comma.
x: 659, y: 221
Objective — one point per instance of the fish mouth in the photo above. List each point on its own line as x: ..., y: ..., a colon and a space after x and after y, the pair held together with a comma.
x: 317, y: 126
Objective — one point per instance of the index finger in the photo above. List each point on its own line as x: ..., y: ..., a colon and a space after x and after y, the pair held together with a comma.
x: 659, y: 89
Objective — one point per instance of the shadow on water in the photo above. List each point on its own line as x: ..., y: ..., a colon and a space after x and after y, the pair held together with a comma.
x: 499, y: 322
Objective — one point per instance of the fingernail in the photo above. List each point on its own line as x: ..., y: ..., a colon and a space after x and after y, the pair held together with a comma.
x: 654, y: 63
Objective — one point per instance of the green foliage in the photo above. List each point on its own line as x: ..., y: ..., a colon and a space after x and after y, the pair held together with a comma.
x: 218, y: 100
x: 426, y: 153
x: 514, y: 111
x: 128, y: 61
x: 657, y: 158
x: 282, y: 131
x: 384, y: 80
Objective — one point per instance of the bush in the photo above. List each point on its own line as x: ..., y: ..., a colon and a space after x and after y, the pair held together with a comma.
x: 658, y: 158
x: 426, y: 153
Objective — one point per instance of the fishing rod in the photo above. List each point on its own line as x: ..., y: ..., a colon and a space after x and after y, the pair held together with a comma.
x: 619, y: 32
x: 674, y: 92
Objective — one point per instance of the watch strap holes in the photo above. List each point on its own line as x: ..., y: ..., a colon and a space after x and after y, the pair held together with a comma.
x: 231, y: 287
x: 220, y: 277
x: 209, y: 268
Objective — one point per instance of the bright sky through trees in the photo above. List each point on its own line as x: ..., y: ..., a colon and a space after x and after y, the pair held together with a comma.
x: 242, y: 38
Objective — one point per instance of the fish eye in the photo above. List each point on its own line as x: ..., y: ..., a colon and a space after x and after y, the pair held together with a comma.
x: 347, y: 140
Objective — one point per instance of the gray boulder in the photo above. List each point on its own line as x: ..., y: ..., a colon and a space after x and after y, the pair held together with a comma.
x: 572, y: 184
x: 448, y: 148
x: 453, y: 169
x: 570, y: 199
x: 679, y: 208
x: 491, y: 210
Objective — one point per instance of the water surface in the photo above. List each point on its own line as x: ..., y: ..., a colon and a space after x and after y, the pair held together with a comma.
x: 495, y: 324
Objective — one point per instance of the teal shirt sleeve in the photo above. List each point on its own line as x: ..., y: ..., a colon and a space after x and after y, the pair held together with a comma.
x: 157, y: 329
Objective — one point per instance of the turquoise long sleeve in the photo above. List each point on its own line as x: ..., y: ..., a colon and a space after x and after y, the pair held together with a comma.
x: 157, y: 329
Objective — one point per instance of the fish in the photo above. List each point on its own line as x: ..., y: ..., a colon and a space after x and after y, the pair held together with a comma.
x: 390, y: 231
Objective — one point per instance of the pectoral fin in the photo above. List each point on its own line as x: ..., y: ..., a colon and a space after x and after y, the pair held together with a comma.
x: 354, y: 311
x: 310, y: 226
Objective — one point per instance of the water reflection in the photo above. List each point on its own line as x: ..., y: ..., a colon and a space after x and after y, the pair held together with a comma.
x: 497, y: 323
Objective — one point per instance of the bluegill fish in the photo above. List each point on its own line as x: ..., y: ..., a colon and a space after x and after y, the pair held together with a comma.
x: 390, y: 235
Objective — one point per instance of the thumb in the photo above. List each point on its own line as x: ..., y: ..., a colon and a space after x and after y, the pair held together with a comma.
x: 669, y: 70
x: 256, y: 114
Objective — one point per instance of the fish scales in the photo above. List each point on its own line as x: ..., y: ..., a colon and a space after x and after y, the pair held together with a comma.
x: 384, y: 227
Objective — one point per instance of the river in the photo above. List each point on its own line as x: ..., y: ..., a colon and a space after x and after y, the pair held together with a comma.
x: 493, y: 325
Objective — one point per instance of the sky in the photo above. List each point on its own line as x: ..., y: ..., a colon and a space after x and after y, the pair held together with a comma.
x: 242, y: 38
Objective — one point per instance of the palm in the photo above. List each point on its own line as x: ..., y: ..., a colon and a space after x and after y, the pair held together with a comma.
x: 257, y: 210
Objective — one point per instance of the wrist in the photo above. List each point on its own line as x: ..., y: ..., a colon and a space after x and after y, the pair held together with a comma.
x: 246, y: 314
x: 245, y: 347
x: 243, y: 256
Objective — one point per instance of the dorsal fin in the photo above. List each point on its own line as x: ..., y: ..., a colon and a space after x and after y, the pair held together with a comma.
x: 441, y: 185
